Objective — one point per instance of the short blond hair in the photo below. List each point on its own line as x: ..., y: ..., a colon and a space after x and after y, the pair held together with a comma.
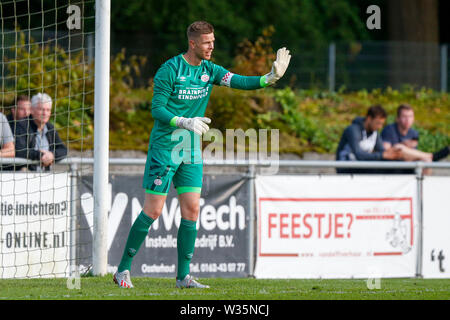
x: 199, y: 27
x: 40, y: 98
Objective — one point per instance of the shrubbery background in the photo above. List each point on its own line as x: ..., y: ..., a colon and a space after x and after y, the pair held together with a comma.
x: 309, y: 120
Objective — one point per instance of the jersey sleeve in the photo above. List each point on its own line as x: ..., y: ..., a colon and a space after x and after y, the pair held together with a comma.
x: 162, y: 90
x: 223, y: 77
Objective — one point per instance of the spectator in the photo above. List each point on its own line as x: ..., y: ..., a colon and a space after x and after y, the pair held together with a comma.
x: 361, y: 141
x: 36, y: 138
x: 401, y: 136
x: 441, y: 154
x: 401, y: 131
x: 20, y: 111
x: 6, y: 139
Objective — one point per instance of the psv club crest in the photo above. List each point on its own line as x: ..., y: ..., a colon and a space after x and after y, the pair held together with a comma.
x: 205, y: 78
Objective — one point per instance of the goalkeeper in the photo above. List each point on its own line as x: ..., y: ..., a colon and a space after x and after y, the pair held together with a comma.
x: 182, y: 87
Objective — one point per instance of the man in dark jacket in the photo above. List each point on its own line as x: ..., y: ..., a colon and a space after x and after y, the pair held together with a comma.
x: 19, y: 111
x: 361, y: 141
x: 36, y: 138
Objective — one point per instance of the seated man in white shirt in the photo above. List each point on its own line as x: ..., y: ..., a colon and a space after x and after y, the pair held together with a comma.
x: 361, y: 142
x: 7, y: 149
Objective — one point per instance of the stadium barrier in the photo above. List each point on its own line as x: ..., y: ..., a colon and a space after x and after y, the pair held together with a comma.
x: 413, y: 241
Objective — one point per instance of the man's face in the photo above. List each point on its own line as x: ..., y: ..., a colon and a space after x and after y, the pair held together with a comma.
x: 203, y: 46
x: 406, y: 119
x: 375, y: 124
x: 41, y: 112
x: 22, y: 109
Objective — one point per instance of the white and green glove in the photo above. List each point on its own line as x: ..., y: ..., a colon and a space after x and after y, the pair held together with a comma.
x: 197, y: 124
x: 279, y: 67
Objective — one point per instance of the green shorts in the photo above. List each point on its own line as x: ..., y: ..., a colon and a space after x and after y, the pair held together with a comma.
x: 163, y: 166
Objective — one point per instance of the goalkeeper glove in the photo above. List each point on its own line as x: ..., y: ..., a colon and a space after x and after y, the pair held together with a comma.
x: 197, y: 124
x: 279, y: 66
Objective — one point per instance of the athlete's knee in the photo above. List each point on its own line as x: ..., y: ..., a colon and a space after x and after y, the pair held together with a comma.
x: 152, y: 210
x: 191, y: 210
x: 192, y: 207
x: 152, y: 213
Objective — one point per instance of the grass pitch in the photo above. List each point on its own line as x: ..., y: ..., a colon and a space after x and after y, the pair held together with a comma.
x: 103, y: 288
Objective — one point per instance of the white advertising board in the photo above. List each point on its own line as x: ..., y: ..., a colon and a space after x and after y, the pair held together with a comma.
x: 34, y: 225
x: 436, y: 227
x: 336, y: 226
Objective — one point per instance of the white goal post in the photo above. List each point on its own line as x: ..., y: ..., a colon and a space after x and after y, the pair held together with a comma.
x: 46, y: 57
x: 101, y: 135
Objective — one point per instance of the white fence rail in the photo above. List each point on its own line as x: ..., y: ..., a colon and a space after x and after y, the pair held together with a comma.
x: 75, y: 165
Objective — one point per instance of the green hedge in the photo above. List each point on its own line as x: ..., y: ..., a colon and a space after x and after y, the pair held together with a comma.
x: 309, y: 121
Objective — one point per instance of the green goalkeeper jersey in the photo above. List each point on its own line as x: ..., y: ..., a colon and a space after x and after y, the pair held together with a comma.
x: 183, y: 90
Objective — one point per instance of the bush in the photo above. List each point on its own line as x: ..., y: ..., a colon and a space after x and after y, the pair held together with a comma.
x: 321, y: 119
x: 69, y: 80
x: 308, y: 120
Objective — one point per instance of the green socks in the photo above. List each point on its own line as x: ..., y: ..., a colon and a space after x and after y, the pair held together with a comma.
x: 187, y: 233
x: 137, y: 235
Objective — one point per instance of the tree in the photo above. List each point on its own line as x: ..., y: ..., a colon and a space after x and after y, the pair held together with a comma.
x: 414, y: 26
x: 299, y: 24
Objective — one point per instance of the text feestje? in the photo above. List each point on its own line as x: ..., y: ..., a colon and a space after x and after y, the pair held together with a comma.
x: 308, y: 225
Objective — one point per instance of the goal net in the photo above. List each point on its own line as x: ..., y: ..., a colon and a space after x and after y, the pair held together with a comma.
x: 47, y: 98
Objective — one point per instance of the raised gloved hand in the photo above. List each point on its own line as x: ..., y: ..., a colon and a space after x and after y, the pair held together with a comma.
x: 197, y: 124
x: 279, y: 66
